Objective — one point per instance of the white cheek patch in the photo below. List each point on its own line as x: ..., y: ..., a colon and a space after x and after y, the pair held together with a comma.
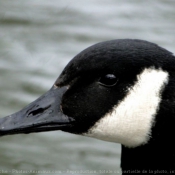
x: 130, y: 121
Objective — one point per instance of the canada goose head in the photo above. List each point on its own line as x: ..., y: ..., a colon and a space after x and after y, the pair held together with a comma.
x: 120, y: 91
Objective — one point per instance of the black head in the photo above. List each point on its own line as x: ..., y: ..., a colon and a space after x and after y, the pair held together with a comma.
x: 92, y: 83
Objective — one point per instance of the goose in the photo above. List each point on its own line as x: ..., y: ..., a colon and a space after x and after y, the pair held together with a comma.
x: 119, y: 91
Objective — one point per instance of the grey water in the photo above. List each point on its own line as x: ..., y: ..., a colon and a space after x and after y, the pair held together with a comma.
x: 37, y: 39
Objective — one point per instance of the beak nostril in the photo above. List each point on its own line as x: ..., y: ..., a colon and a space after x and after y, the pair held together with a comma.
x: 38, y: 111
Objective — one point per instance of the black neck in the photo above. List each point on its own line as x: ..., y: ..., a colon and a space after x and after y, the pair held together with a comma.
x: 147, y: 161
x: 149, y: 158
x: 158, y: 154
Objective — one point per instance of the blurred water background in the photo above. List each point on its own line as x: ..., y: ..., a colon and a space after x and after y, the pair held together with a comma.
x: 37, y: 39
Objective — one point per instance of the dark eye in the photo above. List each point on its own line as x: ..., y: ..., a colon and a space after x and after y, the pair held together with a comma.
x: 108, y: 80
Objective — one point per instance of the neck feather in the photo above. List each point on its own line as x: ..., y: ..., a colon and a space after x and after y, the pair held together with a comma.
x: 155, y: 156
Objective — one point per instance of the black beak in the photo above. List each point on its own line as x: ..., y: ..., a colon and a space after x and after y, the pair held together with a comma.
x: 44, y: 114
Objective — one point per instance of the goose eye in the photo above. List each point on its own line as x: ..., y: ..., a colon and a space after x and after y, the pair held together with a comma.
x: 108, y: 80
